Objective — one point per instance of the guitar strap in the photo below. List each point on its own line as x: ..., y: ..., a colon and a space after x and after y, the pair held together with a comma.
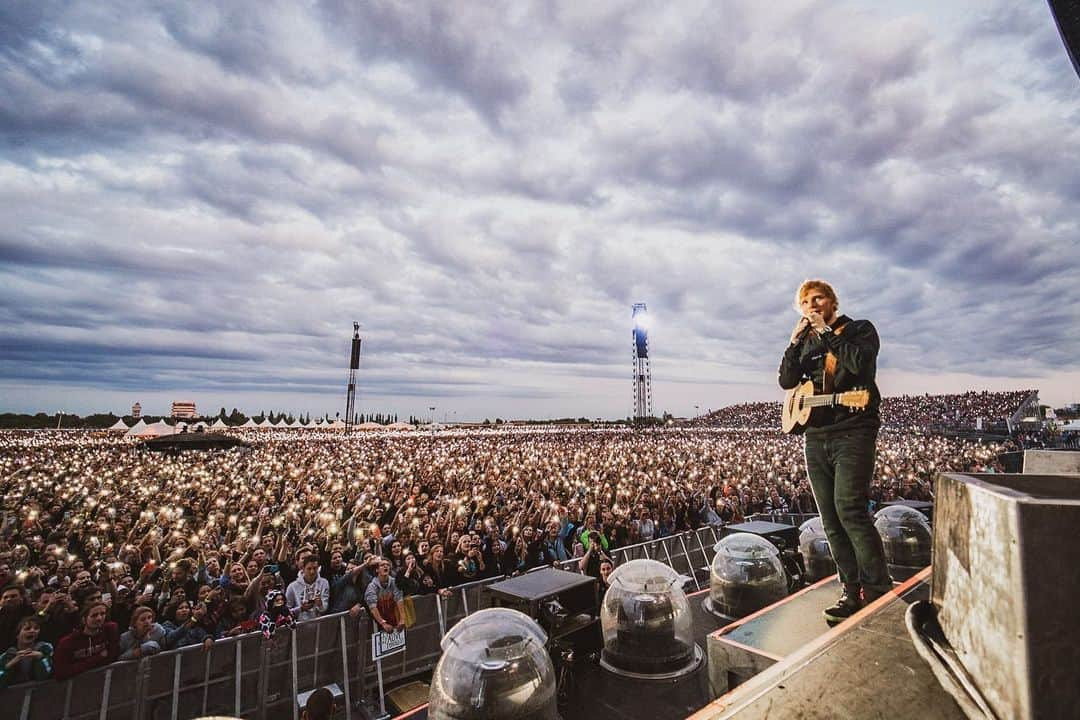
x: 830, y: 365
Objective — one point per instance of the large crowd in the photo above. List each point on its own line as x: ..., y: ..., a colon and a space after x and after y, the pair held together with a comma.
x: 961, y: 411
x: 108, y: 551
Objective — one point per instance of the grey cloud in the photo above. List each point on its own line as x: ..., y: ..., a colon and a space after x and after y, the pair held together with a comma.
x: 207, y: 196
x: 458, y: 48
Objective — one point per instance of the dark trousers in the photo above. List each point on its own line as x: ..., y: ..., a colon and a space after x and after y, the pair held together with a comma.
x: 840, y: 466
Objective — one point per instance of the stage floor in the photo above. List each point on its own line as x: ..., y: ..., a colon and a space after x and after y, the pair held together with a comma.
x: 864, y: 668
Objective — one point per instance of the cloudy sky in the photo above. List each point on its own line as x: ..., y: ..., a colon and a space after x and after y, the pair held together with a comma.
x: 199, y: 201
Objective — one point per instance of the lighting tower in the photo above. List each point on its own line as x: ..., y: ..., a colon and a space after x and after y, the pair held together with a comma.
x: 354, y: 365
x: 642, y: 372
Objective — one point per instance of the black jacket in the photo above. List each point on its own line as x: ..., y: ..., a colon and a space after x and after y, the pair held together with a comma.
x: 856, y: 349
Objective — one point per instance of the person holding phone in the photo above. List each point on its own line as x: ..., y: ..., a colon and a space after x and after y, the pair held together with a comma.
x: 308, y: 596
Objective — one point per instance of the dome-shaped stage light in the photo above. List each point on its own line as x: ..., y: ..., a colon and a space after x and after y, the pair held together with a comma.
x: 648, y: 629
x: 814, y: 547
x: 494, y: 665
x: 906, y: 536
x: 746, y: 575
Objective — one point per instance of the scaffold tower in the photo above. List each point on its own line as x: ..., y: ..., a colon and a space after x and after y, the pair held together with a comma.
x: 350, y: 392
x: 643, y: 407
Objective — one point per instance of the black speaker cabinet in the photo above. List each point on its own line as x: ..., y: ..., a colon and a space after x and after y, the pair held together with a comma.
x: 784, y: 537
x: 562, y: 602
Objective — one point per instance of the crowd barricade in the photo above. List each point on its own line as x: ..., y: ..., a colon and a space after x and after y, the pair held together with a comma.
x: 247, y: 677
x: 252, y: 677
x: 114, y: 687
x: 434, y: 616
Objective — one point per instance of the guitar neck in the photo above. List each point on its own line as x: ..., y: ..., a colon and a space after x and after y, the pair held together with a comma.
x: 820, y: 400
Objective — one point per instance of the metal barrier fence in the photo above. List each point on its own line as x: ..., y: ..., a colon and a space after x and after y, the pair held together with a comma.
x: 250, y: 677
x: 245, y: 676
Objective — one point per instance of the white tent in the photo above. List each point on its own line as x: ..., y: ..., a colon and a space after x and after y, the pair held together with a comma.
x: 369, y: 426
x: 297, y: 424
x: 250, y: 423
x: 119, y: 425
x: 219, y: 424
x: 156, y: 430
x: 136, y: 428
x: 338, y: 424
x: 265, y: 423
x: 399, y: 426
x: 319, y: 422
x: 199, y: 426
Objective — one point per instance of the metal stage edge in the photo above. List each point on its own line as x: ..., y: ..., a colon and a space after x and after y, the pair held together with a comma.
x: 866, y: 667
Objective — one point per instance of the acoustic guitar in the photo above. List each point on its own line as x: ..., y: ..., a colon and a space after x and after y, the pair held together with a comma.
x: 800, y: 400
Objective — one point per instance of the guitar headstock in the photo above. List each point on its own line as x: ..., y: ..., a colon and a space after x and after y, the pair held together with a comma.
x: 854, y: 399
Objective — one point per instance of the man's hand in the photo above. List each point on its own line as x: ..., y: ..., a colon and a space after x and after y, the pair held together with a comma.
x: 816, y: 320
x: 355, y: 610
x: 800, y: 327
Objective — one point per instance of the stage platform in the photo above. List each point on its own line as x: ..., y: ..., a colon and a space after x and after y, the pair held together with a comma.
x: 750, y: 645
x: 866, y: 667
x: 783, y: 661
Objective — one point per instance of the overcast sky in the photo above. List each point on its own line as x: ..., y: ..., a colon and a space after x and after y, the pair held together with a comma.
x: 198, y: 202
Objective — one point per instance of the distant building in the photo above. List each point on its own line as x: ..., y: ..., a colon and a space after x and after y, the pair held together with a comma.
x: 136, y: 411
x: 183, y: 409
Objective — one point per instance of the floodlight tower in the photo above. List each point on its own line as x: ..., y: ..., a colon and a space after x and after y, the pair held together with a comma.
x: 642, y: 371
x: 354, y: 365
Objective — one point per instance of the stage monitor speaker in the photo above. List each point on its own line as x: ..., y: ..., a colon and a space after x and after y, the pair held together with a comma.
x: 1005, y: 587
x: 784, y: 537
x: 562, y: 602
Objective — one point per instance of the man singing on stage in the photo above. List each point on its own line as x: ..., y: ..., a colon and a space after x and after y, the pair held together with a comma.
x: 840, y: 354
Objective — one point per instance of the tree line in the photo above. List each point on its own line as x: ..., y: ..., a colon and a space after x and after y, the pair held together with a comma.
x: 100, y: 421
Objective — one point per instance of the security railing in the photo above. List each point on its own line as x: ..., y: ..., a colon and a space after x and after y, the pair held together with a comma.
x: 252, y: 677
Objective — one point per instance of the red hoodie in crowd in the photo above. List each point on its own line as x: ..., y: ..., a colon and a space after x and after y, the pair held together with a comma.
x: 79, y: 652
